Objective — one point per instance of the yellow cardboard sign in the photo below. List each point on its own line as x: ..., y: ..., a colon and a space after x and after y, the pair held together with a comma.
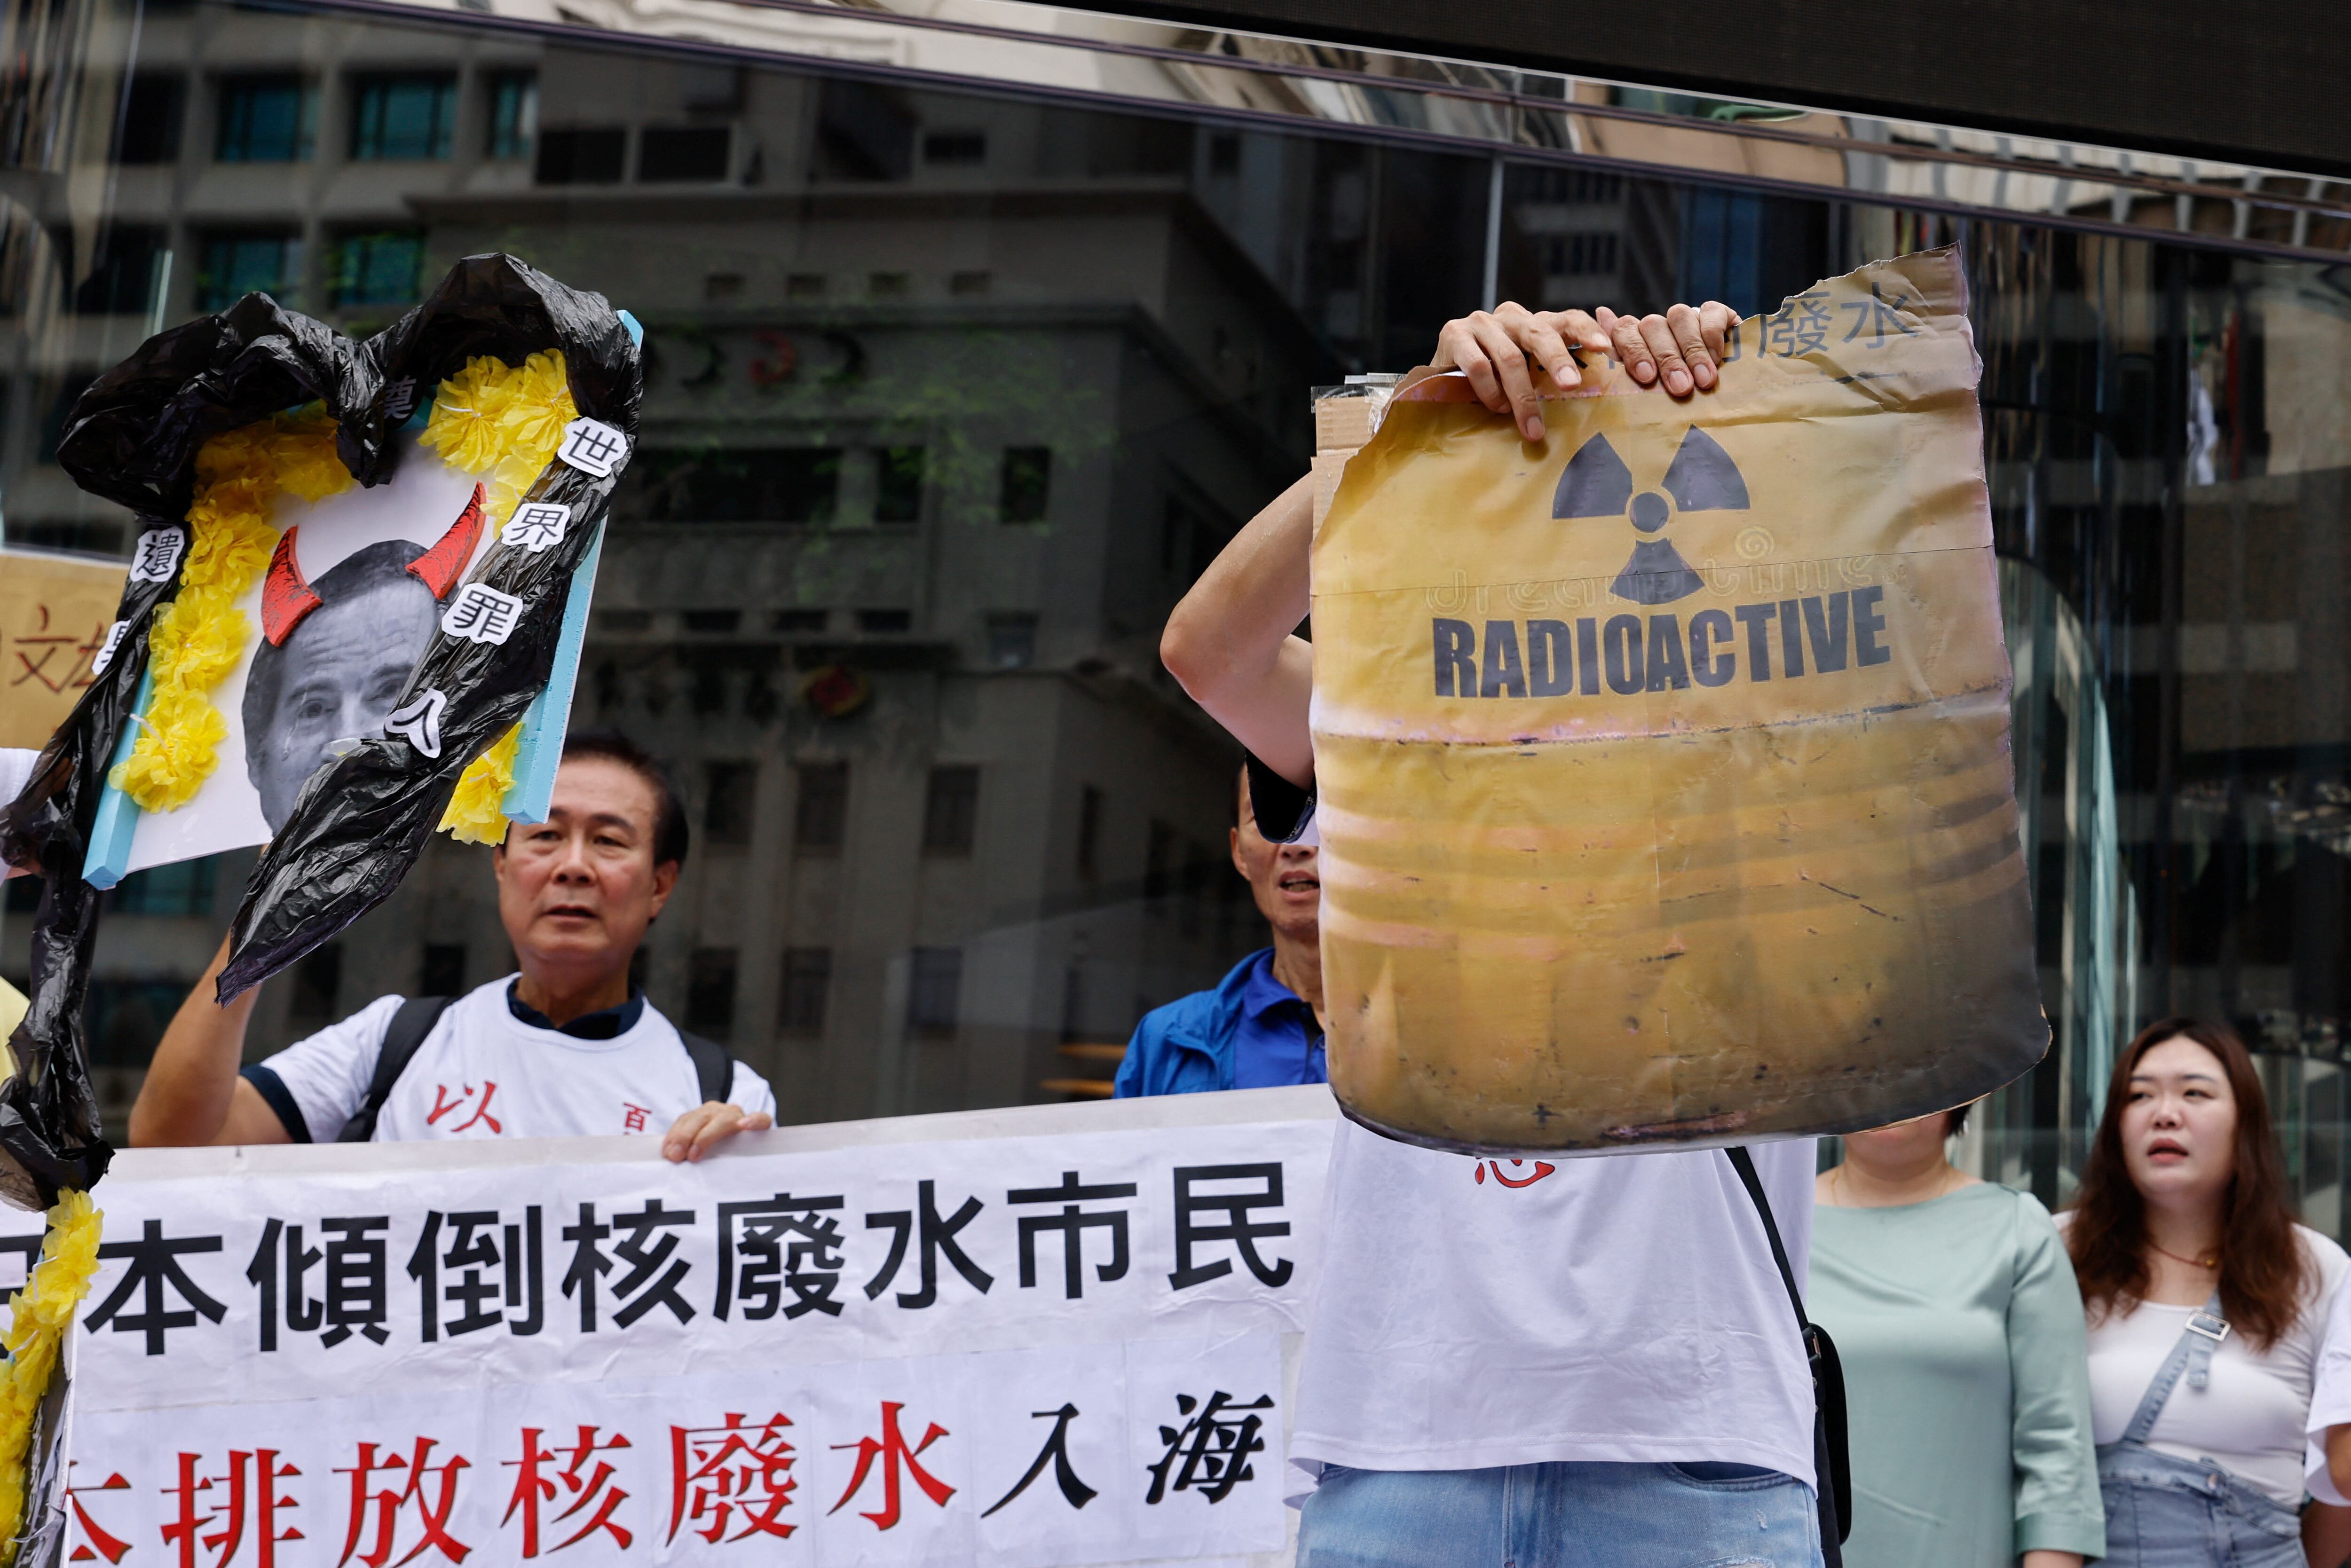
x: 53, y: 615
x: 1663, y: 766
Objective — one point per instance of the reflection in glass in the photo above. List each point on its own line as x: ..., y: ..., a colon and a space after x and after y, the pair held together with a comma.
x: 949, y: 397
x: 407, y: 116
x: 264, y: 120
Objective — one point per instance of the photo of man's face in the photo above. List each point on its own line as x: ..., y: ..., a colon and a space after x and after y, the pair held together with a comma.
x: 339, y: 672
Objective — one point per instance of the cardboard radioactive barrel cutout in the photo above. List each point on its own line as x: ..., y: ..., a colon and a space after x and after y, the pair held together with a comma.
x: 352, y: 612
x: 1663, y: 766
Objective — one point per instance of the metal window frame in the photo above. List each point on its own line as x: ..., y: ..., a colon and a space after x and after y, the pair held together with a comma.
x: 1513, y: 116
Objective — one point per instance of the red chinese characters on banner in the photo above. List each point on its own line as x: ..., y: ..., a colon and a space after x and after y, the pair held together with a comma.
x: 729, y: 1476
x: 892, y: 1450
x: 588, y: 1484
x: 96, y: 1542
x: 411, y: 1480
x: 245, y: 1499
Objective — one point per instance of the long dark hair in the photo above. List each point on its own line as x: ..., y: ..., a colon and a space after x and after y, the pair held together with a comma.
x: 2264, y: 1272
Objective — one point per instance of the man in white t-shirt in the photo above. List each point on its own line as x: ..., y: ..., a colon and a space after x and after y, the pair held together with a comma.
x: 566, y: 1047
x: 1549, y: 1362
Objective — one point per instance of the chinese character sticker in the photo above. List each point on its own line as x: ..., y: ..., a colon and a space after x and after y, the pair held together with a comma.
x: 594, y: 447
x: 535, y: 525
x: 419, y: 721
x: 482, y: 613
x: 105, y: 654
x: 157, y: 558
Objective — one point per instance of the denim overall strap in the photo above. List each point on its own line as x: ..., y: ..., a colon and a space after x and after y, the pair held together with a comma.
x: 2193, y: 1354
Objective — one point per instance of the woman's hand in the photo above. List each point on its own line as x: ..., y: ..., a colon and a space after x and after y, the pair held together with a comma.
x: 1498, y: 349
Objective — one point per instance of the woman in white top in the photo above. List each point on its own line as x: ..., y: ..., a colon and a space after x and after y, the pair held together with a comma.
x: 2208, y: 1307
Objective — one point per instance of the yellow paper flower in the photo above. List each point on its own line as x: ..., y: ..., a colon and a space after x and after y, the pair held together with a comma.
x: 197, y: 642
x: 465, y: 424
x: 511, y: 480
x: 41, y: 1316
x: 306, y: 461
x: 240, y: 493
x: 233, y: 453
x: 510, y: 419
x: 476, y: 812
x: 68, y: 1260
x: 543, y: 405
x: 176, y: 751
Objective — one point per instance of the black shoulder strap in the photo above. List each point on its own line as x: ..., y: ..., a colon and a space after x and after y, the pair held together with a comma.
x: 713, y: 1068
x: 1832, y: 1458
x: 1744, y: 1163
x: 409, y: 1026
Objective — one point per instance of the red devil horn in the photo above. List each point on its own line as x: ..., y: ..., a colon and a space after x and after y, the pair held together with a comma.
x: 286, y: 595
x: 438, y: 567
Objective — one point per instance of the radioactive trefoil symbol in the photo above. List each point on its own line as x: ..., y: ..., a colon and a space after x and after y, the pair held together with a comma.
x: 1701, y: 478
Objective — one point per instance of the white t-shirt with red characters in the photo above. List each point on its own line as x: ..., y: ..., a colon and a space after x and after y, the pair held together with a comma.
x: 483, y: 1073
x: 1619, y: 1308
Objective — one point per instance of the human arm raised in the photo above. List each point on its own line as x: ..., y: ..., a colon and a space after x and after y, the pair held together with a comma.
x: 193, y: 1094
x: 1231, y: 641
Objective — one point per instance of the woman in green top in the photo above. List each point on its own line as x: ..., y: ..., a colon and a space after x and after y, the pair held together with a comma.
x: 1966, y: 1379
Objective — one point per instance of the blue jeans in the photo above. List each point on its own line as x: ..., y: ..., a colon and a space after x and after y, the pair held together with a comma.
x: 2162, y: 1512
x: 1560, y: 1516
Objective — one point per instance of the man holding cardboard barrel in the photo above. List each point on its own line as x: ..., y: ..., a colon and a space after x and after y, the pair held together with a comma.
x: 1547, y: 1362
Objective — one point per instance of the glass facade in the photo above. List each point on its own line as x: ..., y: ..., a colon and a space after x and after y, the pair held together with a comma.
x: 953, y: 388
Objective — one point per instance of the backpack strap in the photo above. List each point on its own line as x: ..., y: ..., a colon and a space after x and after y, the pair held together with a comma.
x: 713, y: 1068
x: 1831, y: 1458
x: 410, y: 1024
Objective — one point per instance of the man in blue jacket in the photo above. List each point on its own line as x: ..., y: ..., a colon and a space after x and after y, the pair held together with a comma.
x: 1262, y: 1024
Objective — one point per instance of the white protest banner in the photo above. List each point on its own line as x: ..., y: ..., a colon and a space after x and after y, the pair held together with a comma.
x: 1046, y: 1336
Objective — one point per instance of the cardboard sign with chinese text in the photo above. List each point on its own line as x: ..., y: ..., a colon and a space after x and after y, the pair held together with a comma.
x: 55, y: 612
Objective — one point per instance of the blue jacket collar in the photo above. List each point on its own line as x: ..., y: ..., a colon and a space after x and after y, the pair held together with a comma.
x: 1220, y: 1019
